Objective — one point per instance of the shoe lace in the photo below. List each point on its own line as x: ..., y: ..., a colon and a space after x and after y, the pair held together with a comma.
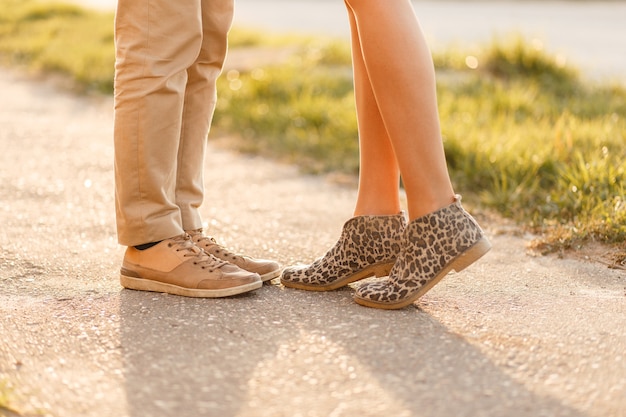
x: 202, y: 239
x: 205, y: 260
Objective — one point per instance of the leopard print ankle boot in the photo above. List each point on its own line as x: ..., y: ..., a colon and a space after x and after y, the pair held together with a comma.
x: 433, y: 245
x: 369, y: 245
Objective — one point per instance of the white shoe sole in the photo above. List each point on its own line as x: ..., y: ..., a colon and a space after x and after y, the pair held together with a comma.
x: 141, y: 284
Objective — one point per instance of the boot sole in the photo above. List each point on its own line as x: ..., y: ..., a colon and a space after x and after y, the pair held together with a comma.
x: 141, y: 284
x: 458, y: 264
x: 379, y: 270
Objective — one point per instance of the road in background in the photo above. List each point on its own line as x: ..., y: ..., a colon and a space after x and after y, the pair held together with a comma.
x: 590, y: 35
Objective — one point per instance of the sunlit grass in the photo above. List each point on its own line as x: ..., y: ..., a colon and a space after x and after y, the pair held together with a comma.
x: 55, y: 37
x: 5, y: 400
x: 524, y: 133
x: 539, y: 144
x: 301, y: 110
x: 59, y: 38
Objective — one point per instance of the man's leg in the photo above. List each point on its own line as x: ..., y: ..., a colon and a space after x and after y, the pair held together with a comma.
x: 199, y: 105
x: 200, y: 100
x: 156, y: 41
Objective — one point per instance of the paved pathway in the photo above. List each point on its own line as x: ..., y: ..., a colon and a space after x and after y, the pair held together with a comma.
x: 513, y: 335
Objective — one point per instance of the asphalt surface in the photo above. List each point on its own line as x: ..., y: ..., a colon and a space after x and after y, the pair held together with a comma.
x: 513, y: 335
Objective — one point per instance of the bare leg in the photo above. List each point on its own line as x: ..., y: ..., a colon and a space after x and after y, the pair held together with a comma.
x: 400, y: 71
x: 379, y: 176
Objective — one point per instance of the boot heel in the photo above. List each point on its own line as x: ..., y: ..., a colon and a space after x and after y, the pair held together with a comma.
x: 471, y: 255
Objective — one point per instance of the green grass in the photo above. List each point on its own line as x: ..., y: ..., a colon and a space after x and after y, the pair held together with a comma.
x: 59, y: 38
x: 301, y: 111
x: 5, y: 403
x: 524, y: 134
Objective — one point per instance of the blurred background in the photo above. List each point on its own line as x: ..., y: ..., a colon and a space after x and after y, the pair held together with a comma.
x: 531, y: 95
x: 589, y: 34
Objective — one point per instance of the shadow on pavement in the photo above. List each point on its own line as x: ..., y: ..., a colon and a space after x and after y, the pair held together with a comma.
x: 282, y: 352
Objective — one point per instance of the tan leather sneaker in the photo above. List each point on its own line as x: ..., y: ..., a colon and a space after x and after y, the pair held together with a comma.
x: 266, y: 269
x: 177, y: 266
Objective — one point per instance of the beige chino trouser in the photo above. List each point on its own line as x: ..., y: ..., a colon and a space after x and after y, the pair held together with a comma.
x: 169, y: 54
